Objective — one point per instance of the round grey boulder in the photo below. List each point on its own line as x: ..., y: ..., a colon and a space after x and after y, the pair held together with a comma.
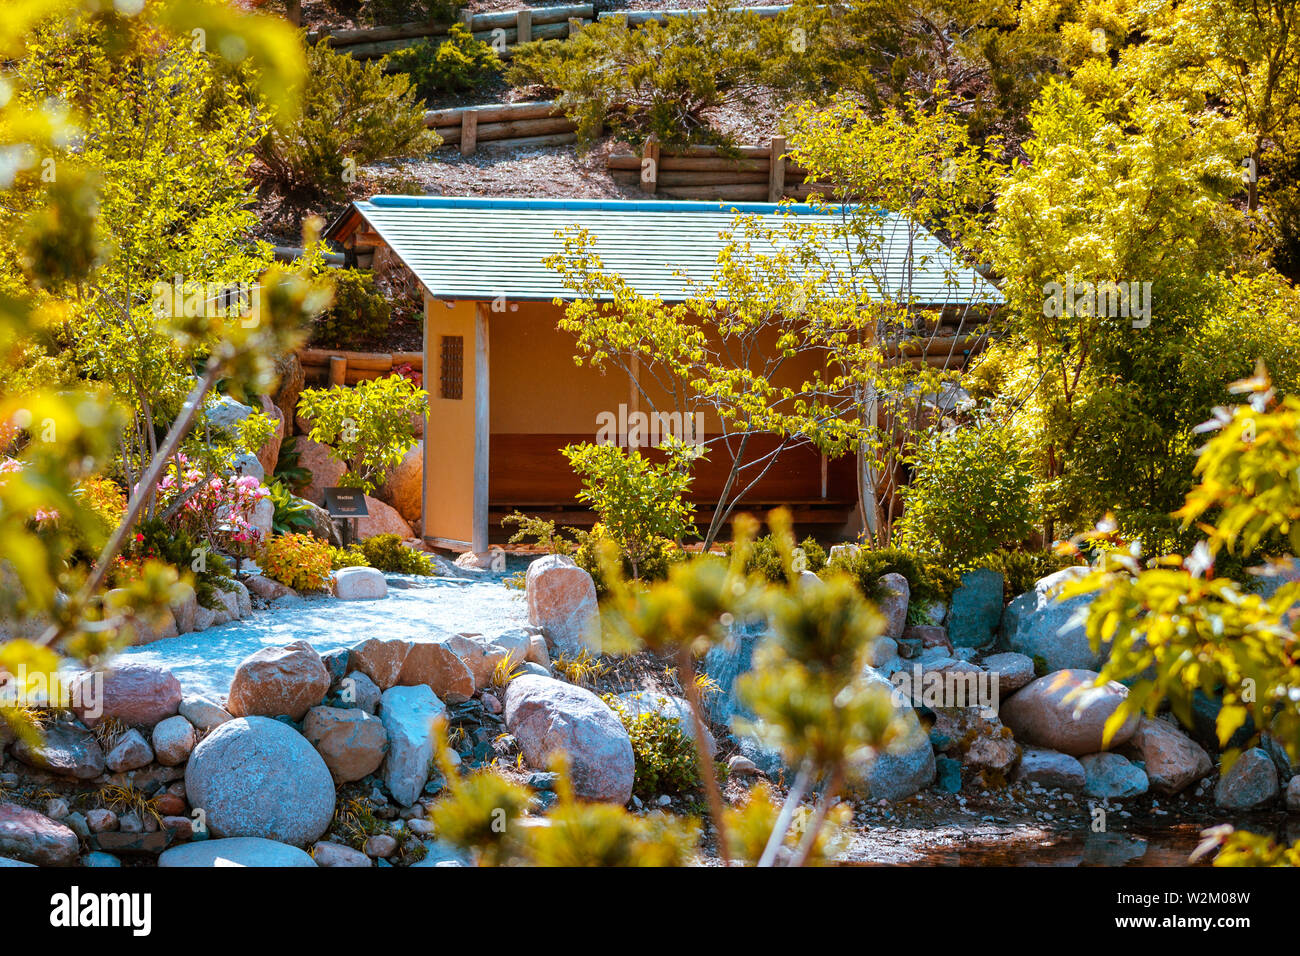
x: 236, y: 851
x: 258, y: 777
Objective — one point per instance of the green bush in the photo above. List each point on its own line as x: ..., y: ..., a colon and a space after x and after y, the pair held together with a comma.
x: 639, y: 501
x: 461, y: 62
x: 969, y: 495
x: 664, y: 752
x: 154, y: 539
x: 349, y: 557
x: 928, y: 580
x: 369, y: 425
x: 656, y: 78
x: 657, y: 556
x: 353, y: 114
x: 765, y: 558
x: 291, y: 513
x: 358, y: 315
x: 387, y: 553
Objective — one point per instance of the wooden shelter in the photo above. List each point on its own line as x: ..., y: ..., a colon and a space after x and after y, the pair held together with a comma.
x: 505, y: 394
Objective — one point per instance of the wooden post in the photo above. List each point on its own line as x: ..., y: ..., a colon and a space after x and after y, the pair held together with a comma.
x: 650, y: 164
x: 468, y: 132
x: 467, y: 18
x: 524, y: 24
x: 338, y: 370
x: 575, y: 24
x: 776, y: 172
x: 482, y: 426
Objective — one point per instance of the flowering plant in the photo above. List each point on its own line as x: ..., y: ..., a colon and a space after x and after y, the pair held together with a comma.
x: 298, y: 560
x: 218, y: 508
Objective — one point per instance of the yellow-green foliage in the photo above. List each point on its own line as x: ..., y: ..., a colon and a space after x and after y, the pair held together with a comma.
x: 387, y: 553
x: 298, y: 560
x: 664, y: 751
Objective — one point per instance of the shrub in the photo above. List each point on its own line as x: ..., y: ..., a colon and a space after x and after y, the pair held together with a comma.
x: 656, y: 78
x: 969, y: 495
x: 353, y: 114
x: 190, y: 555
x: 349, y: 557
x: 638, y: 501
x: 291, y: 512
x: 297, y: 560
x: 387, y: 553
x: 359, y: 314
x: 664, y: 752
x: 368, y: 425
x: 388, y: 12
x: 765, y: 558
x: 461, y: 62
x: 1021, y: 569
x: 657, y: 556
x: 927, y: 579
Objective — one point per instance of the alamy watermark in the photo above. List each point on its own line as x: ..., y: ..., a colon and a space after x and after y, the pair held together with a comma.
x: 83, y: 693
x: 187, y: 298
x: 638, y: 429
x: 1115, y: 300
x: 938, y: 689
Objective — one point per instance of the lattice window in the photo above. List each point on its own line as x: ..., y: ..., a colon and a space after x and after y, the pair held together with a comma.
x: 452, y: 367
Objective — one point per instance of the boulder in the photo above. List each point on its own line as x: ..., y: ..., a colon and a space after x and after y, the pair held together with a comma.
x: 537, y: 652
x: 325, y: 467
x: 561, y: 599
x: 479, y: 654
x: 321, y: 524
x: 382, y: 519
x: 360, y: 584
x: 173, y: 741
x: 905, y: 765
x: 65, y: 750
x: 139, y: 695
x: 1037, y: 624
x: 246, y: 463
x: 1293, y: 794
x: 235, y: 851
x: 226, y: 414
x: 408, y: 715
x: 358, y: 690
x: 287, y: 680
x: 1064, y: 711
x: 1014, y: 671
x: 1250, y: 784
x: 204, y: 713
x: 131, y: 752
x: 267, y: 589
x: 262, y: 520
x: 292, y: 378
x: 1049, y: 769
x: 896, y: 594
x: 547, y: 716
x: 1173, y: 761
x: 335, y: 854
x: 184, y: 609
x: 258, y: 777
x: 1112, y: 776
x: 930, y: 635
x: 436, y: 665
x: 380, y: 660
x: 269, y: 453
x: 351, y: 742
x: 976, y: 609
x: 640, y: 702
x: 404, y: 486
x: 34, y: 838
x: 978, y: 740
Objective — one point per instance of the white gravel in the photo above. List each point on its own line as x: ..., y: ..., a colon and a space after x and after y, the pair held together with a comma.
x: 416, y: 609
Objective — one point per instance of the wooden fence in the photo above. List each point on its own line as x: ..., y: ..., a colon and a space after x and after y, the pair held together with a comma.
x: 503, y: 29
x: 508, y: 124
x: 331, y: 367
x: 750, y: 174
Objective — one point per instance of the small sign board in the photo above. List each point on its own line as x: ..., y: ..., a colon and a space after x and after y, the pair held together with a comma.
x: 346, y: 503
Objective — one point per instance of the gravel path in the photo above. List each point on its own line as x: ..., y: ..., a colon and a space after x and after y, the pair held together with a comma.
x: 416, y: 609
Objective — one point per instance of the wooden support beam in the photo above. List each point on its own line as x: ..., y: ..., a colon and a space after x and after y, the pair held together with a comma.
x: 575, y: 24
x: 776, y: 171
x: 524, y: 26
x: 650, y: 164
x: 482, y: 428
x: 468, y: 132
x: 338, y: 370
